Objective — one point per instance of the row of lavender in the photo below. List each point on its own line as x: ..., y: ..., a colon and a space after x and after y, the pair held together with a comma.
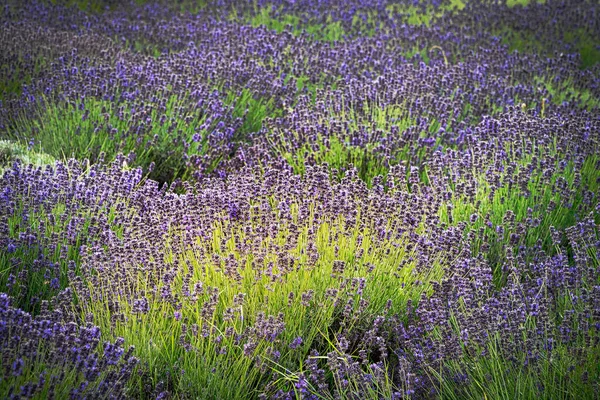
x: 221, y: 79
x: 408, y: 212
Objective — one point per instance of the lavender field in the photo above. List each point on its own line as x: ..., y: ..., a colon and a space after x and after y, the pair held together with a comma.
x: 300, y: 199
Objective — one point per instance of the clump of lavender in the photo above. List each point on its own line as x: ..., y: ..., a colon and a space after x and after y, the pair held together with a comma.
x: 48, y: 214
x: 259, y: 286
x: 43, y: 356
x: 543, y: 317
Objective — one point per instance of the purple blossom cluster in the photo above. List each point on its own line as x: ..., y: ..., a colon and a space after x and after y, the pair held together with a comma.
x: 50, y: 213
x: 300, y: 199
x: 44, y: 356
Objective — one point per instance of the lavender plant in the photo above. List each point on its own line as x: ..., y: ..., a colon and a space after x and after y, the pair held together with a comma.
x: 299, y: 199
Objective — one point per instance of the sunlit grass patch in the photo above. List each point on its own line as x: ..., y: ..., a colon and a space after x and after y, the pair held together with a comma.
x: 252, y: 111
x: 365, y: 21
x: 98, y: 127
x: 13, y: 151
x: 339, y: 156
x: 330, y: 31
x: 424, y: 14
x: 523, y: 3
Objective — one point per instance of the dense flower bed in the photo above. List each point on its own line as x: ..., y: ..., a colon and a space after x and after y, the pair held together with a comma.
x: 300, y: 199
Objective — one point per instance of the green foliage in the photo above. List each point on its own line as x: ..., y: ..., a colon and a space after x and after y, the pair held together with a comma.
x: 566, y: 91
x: 20, y: 72
x: 339, y: 152
x: 12, y: 151
x: 527, y: 41
x: 98, y: 127
x: 418, y: 15
x: 590, y: 55
x: 252, y: 111
x: 557, y: 375
x: 329, y: 31
x: 166, y: 133
x: 522, y: 3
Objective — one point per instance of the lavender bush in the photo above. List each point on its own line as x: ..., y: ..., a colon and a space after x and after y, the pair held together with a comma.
x: 299, y: 199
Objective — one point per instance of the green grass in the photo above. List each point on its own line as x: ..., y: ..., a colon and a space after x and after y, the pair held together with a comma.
x: 12, y: 151
x: 338, y: 157
x: 100, y: 127
x: 333, y: 31
x: 566, y: 91
x: 557, y: 375
x: 338, y: 150
x: 329, y: 31
x: 590, y: 54
x: 525, y: 41
x: 424, y: 16
x: 523, y: 3
x: 253, y: 111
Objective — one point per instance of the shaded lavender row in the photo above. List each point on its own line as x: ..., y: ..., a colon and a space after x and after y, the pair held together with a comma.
x: 206, y: 53
x: 58, y: 210
x: 258, y: 59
